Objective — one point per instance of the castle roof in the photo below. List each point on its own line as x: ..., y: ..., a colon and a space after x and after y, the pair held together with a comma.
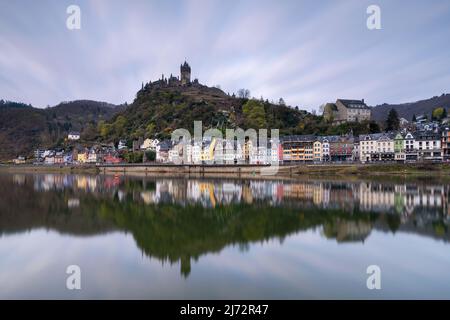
x: 186, y: 66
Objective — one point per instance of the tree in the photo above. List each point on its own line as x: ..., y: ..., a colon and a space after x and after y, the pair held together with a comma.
x: 244, y: 93
x: 322, y: 108
x: 414, y: 119
x: 133, y: 157
x: 150, y: 155
x: 281, y: 102
x: 119, y: 125
x: 439, y: 113
x: 150, y: 129
x: 392, y: 121
x: 104, y: 128
x: 254, y: 114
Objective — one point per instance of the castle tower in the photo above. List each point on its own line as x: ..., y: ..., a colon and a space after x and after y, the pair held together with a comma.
x: 185, y: 71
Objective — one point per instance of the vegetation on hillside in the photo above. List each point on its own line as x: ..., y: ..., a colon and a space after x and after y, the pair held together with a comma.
x: 24, y: 128
x: 159, y: 111
x: 408, y: 110
x: 392, y: 121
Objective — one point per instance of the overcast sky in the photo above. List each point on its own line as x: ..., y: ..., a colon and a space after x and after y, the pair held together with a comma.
x: 308, y: 52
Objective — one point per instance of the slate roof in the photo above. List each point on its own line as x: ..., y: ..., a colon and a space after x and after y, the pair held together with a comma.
x: 353, y: 104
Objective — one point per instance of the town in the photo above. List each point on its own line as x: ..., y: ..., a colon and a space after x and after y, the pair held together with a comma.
x: 403, y: 141
x: 427, y: 143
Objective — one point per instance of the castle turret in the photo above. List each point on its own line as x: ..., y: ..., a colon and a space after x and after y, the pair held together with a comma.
x: 185, y: 71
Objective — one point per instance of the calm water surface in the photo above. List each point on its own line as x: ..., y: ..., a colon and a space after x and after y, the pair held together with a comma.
x: 166, y: 238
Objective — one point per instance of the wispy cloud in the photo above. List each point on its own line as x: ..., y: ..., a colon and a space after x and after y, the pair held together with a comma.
x: 306, y: 52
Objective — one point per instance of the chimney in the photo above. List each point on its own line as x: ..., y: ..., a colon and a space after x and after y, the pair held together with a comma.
x: 362, y: 100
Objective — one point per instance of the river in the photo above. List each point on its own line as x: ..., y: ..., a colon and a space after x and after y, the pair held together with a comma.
x: 199, y: 238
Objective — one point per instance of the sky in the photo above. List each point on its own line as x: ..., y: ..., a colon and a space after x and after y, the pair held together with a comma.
x: 307, y: 52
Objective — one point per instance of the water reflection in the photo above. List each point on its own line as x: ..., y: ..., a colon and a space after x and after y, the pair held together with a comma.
x: 179, y: 220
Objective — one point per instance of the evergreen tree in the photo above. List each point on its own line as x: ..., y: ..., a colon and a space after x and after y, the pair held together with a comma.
x: 392, y: 121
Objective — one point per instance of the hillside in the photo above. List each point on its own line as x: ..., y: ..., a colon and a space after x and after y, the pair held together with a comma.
x: 407, y: 110
x: 158, y: 110
x: 24, y: 128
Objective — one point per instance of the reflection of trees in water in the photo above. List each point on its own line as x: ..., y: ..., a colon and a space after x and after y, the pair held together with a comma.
x: 23, y: 208
x: 172, y: 229
x: 175, y: 233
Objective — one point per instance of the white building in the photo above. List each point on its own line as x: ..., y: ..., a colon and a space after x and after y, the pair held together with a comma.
x: 229, y: 152
x: 196, y: 153
x: 73, y: 136
x: 376, y: 147
x: 428, y: 146
x: 122, y: 145
x: 325, y: 149
x: 149, y: 144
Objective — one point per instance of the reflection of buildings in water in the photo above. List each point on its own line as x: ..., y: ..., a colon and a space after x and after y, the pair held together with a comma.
x: 405, y: 199
x: 73, y: 203
x: 87, y: 183
x: 121, y: 195
x: 75, y: 182
x: 247, y: 195
x: 299, y: 191
x: 425, y: 198
x: 49, y: 182
x: 347, y: 231
x: 19, y: 179
x: 148, y: 197
x: 227, y: 193
x: 207, y: 198
x: 111, y: 182
x: 375, y: 197
x: 341, y: 196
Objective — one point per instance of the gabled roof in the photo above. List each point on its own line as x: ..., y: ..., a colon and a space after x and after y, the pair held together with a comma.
x: 165, y: 145
x: 377, y: 136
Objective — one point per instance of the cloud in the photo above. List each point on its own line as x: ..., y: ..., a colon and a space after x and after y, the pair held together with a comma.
x: 305, y: 52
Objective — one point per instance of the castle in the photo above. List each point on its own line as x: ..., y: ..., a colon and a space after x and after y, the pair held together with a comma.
x: 172, y: 81
x: 185, y: 73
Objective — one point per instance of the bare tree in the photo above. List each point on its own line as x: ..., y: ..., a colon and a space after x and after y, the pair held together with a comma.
x: 244, y: 93
x: 321, y: 108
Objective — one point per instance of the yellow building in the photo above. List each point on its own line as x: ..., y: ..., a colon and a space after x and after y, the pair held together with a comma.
x: 298, y: 148
x: 208, y: 151
x: 317, y: 151
x: 82, y: 157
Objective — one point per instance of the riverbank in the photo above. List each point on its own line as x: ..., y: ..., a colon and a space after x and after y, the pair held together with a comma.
x: 315, y: 171
x: 388, y: 171
x: 87, y: 169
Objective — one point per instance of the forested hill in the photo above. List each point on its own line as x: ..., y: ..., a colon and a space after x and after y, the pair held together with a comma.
x: 157, y: 111
x: 408, y: 110
x: 24, y: 128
